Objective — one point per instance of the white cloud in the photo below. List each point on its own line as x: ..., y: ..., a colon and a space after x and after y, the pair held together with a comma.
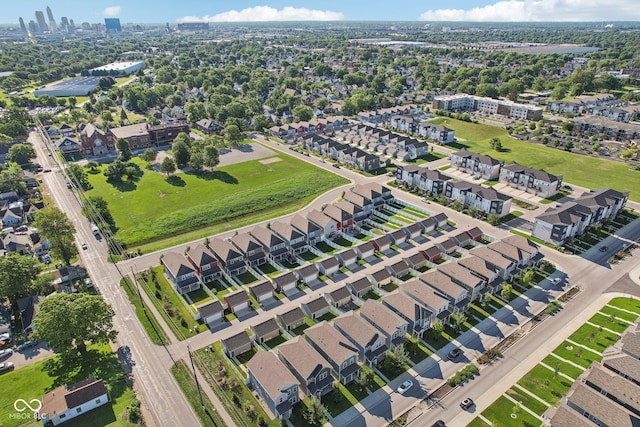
x: 268, y: 13
x: 112, y: 11
x: 540, y: 10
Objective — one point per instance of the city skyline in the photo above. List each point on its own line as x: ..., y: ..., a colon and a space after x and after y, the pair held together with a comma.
x: 329, y: 10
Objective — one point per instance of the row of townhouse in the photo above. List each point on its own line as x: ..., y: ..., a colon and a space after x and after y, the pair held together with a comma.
x: 619, y: 113
x: 608, y: 393
x: 485, y: 167
x: 343, y: 153
x: 581, y: 104
x: 94, y: 141
x: 334, y: 351
x: 609, y: 129
x: 559, y: 225
x: 464, y: 102
x: 200, y: 264
x: 416, y: 125
x: 383, y: 115
x: 485, y: 199
x: 326, y: 126
x: 384, y: 141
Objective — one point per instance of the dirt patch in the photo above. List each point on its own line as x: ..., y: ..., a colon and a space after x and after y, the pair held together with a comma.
x: 270, y: 160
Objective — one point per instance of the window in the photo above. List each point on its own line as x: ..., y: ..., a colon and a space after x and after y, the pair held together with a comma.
x: 322, y: 376
x: 62, y: 416
x: 78, y: 410
x: 97, y: 400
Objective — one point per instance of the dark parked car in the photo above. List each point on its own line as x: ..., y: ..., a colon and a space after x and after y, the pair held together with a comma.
x: 454, y: 354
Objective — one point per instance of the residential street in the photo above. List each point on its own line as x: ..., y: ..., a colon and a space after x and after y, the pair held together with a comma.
x: 167, y: 406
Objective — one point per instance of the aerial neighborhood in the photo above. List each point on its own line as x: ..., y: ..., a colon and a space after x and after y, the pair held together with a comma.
x: 311, y: 220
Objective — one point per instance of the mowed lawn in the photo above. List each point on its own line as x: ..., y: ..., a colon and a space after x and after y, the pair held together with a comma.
x: 155, y: 207
x: 577, y: 169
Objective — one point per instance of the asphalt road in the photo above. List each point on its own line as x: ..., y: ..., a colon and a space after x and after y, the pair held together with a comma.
x: 161, y: 396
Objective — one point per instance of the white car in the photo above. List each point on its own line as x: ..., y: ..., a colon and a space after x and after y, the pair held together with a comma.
x: 5, y: 353
x: 405, y: 386
x: 5, y: 336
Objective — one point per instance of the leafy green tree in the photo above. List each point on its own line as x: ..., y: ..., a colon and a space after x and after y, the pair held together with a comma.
x: 149, y: 155
x: 11, y: 180
x: 302, y: 113
x: 54, y: 225
x: 211, y: 156
x: 100, y: 209
x: 232, y: 134
x: 116, y: 170
x: 399, y: 357
x: 316, y: 413
x: 79, y: 175
x: 488, y: 90
x: 495, y: 144
x: 17, y: 276
x: 527, y: 277
x: 260, y: 123
x: 181, y: 153
x: 168, y: 166
x: 365, y: 376
x: 494, y: 219
x: 457, y: 205
x: 196, y: 160
x: 506, y: 291
x: 458, y: 320
x: 70, y: 321
x: 473, y: 211
x: 125, y: 151
x: 24, y: 151
x: 437, y: 327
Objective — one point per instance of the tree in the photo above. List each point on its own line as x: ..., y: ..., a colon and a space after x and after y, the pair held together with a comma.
x: 168, y: 166
x: 316, y: 413
x: 232, y: 134
x: 506, y: 291
x: 99, y: 210
x: 260, y: 123
x: 302, y: 113
x: 21, y: 153
x: 365, y: 376
x: 116, y: 170
x: 78, y: 175
x: 196, y: 160
x: 54, y: 225
x: 496, y: 144
x: 527, y: 276
x: 494, y: 219
x: 437, y: 327
x: 11, y: 180
x: 211, y: 156
x: 68, y: 321
x: 17, y: 276
x: 398, y: 356
x: 458, y: 320
x: 181, y: 153
x: 125, y: 151
x: 457, y: 205
x: 149, y: 155
x: 473, y: 211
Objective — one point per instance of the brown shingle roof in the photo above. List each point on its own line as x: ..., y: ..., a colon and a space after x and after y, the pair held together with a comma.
x: 269, y: 371
x: 332, y: 342
x: 302, y: 357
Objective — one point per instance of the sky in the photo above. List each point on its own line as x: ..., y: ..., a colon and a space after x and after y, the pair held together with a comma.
x: 172, y: 11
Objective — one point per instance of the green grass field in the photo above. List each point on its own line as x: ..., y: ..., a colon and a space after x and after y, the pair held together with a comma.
x: 33, y: 381
x: 578, y: 169
x: 155, y: 207
x: 499, y: 413
x: 542, y: 383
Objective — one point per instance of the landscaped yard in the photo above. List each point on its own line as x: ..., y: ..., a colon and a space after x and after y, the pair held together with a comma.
x: 579, y: 169
x: 168, y: 303
x: 592, y: 337
x: 246, y: 278
x: 544, y: 384
x: 154, y: 207
x: 577, y: 355
x: 609, y: 322
x: 199, y: 296
x: 562, y: 366
x: 619, y: 313
x: 33, y: 381
x: 417, y: 352
x: 630, y: 304
x: 500, y: 414
x: 530, y: 402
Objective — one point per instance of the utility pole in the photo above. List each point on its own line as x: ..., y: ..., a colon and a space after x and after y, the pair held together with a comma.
x: 135, y: 281
x: 193, y: 368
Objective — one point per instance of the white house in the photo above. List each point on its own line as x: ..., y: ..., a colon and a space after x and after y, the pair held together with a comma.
x: 66, y: 402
